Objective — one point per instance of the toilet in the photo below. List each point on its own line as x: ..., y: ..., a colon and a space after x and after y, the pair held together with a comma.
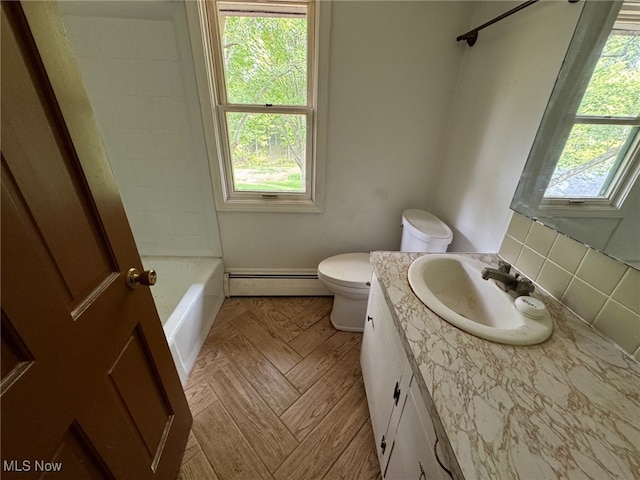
x: 348, y: 275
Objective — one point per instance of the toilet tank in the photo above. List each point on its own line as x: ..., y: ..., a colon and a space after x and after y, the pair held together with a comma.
x: 424, y: 232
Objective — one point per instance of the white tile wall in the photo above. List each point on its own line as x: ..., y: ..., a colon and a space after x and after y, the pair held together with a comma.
x: 137, y: 83
x: 601, y: 290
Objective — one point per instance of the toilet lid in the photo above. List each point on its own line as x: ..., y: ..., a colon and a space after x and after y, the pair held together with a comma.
x: 427, y: 227
x: 349, y: 269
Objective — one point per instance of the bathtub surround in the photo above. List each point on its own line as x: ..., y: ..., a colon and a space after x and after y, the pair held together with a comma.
x: 604, y: 292
x: 136, y: 62
x: 567, y: 408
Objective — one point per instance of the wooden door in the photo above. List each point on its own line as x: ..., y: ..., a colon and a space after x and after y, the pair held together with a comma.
x: 89, y: 388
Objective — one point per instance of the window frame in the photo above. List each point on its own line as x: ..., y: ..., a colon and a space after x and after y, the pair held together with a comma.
x: 203, y: 20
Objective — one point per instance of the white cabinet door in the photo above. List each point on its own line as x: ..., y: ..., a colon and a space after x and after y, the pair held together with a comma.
x: 402, y: 428
x: 412, y: 456
x: 381, y: 369
x: 406, y: 378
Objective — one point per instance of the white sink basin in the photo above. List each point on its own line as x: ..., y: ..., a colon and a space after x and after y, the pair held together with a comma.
x: 452, y: 287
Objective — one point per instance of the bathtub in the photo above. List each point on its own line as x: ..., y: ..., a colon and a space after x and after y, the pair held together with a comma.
x: 188, y: 295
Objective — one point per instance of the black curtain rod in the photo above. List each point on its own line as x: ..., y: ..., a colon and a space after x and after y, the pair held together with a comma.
x: 472, y: 35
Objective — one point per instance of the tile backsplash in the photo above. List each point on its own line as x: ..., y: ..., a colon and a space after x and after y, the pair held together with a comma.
x: 602, y: 291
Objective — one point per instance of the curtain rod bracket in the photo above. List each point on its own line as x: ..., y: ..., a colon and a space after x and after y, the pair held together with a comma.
x: 469, y: 37
x: 472, y: 35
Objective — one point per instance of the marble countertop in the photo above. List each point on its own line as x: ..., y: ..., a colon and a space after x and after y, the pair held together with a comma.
x: 567, y: 408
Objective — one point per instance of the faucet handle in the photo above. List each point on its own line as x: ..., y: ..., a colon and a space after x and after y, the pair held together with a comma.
x: 504, y: 266
x: 524, y: 286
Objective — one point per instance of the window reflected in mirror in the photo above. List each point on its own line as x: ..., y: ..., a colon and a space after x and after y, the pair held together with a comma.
x: 601, y: 153
x: 581, y: 177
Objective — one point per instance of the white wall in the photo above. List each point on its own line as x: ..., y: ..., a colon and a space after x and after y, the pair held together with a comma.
x: 505, y: 83
x: 137, y: 65
x: 393, y: 69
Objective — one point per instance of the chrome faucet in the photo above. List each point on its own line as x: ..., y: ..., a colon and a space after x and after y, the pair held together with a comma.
x: 515, y: 284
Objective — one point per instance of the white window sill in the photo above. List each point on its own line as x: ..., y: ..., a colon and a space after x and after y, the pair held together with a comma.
x: 270, y: 205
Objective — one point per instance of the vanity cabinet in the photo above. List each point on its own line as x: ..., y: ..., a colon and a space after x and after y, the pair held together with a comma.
x: 402, y: 428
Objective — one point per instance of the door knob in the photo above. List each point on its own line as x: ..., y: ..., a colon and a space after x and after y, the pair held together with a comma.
x: 136, y: 278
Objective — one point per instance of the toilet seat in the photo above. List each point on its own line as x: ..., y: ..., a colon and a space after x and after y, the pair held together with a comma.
x: 351, y: 270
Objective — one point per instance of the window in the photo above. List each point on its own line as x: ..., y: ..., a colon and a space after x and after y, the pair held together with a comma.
x: 265, y: 72
x: 601, y: 157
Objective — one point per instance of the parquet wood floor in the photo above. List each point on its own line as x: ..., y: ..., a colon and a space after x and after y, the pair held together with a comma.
x: 277, y: 393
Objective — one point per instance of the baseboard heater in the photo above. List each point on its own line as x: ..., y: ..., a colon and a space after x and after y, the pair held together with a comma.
x: 243, y: 283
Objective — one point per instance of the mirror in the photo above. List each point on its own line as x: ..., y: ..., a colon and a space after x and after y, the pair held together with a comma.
x: 581, y: 177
